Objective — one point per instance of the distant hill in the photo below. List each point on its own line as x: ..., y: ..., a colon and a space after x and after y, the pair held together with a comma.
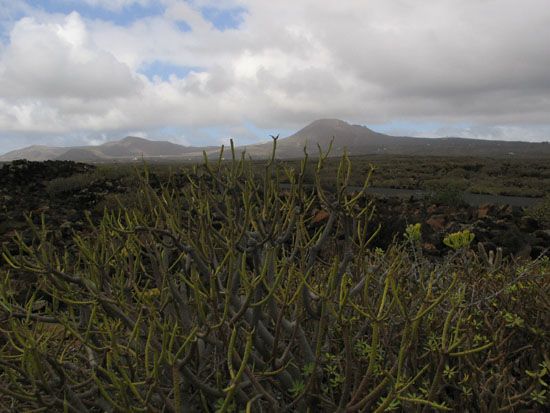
x: 80, y: 155
x: 356, y: 139
x: 360, y: 140
x: 125, y: 149
x: 34, y: 153
x: 132, y: 146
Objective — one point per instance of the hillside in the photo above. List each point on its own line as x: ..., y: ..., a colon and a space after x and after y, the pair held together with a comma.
x: 34, y: 153
x: 360, y: 140
x: 124, y: 149
x: 356, y: 139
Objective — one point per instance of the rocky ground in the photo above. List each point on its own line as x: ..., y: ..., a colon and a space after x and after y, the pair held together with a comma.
x: 24, y: 194
x: 494, y: 226
x: 24, y: 190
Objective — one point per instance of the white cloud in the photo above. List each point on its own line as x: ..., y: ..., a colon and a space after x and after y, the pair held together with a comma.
x: 58, y: 59
x: 483, y: 63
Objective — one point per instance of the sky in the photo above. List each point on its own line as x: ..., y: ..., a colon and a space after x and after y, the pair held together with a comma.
x: 197, y: 72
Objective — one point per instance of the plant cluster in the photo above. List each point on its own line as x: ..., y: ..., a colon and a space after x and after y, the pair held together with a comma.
x: 513, y: 177
x: 541, y: 211
x: 229, y: 293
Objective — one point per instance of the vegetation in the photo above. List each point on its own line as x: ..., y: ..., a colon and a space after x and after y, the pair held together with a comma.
x: 479, y: 175
x: 227, y: 293
x: 541, y: 211
x: 446, y: 193
x: 446, y: 177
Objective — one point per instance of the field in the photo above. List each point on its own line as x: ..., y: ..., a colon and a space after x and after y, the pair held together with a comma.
x: 515, y: 177
x: 250, y: 286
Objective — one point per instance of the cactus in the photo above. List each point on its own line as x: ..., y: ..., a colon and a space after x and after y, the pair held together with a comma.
x: 491, y: 260
x: 221, y: 295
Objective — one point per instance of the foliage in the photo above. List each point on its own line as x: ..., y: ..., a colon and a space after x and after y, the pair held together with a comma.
x: 541, y: 211
x: 224, y: 294
x: 446, y: 193
x: 99, y: 175
x: 412, y: 232
x: 478, y: 175
x: 459, y: 240
x: 71, y: 183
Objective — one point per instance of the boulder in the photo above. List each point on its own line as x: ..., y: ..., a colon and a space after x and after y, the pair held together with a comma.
x: 437, y: 222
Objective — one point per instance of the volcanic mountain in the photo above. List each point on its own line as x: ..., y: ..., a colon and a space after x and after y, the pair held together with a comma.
x: 125, y: 149
x: 360, y: 140
x: 356, y: 139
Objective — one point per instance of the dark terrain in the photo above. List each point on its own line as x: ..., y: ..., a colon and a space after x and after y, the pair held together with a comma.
x: 62, y: 191
x: 206, y: 279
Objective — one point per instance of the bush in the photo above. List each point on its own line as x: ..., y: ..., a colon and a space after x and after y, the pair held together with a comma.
x: 227, y: 294
x: 71, y: 183
x: 98, y: 175
x: 541, y: 211
x: 446, y: 193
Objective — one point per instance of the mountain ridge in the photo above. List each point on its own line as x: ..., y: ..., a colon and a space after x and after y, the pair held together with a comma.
x: 355, y: 139
x: 360, y: 140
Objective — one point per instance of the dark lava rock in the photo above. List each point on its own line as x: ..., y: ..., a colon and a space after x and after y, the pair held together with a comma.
x: 437, y: 222
x: 529, y: 224
x: 493, y: 226
x: 22, y: 191
x: 543, y: 234
x: 28, y: 173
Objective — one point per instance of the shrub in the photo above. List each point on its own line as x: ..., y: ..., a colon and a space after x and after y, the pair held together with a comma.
x: 412, y: 232
x: 71, y: 183
x: 223, y: 295
x: 99, y: 174
x: 459, y: 240
x: 447, y: 193
x: 541, y: 211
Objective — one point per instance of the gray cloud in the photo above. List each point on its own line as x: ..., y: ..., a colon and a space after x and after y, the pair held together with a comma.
x: 482, y: 64
x: 56, y: 60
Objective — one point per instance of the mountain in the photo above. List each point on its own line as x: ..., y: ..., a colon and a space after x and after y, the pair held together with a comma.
x: 356, y: 139
x: 129, y: 148
x: 34, y: 153
x: 132, y: 146
x: 125, y: 149
x: 360, y: 140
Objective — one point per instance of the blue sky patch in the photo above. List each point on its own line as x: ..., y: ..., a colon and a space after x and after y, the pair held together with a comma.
x: 8, y: 16
x: 4, y: 34
x: 183, y: 26
x: 224, y: 19
x: 164, y: 70
x: 123, y: 17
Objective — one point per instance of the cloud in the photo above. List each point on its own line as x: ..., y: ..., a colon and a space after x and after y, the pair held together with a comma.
x: 280, y: 64
x: 58, y: 59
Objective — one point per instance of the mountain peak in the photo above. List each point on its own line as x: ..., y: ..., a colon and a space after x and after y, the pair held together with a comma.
x: 336, y: 124
x: 132, y: 139
x: 329, y: 122
x: 354, y: 139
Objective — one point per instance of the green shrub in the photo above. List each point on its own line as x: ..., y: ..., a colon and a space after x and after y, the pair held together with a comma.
x: 447, y: 193
x: 541, y: 211
x: 412, y: 232
x: 101, y: 174
x: 71, y: 183
x: 459, y: 240
x: 224, y: 295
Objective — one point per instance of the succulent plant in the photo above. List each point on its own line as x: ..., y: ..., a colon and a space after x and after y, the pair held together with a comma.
x: 222, y: 295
